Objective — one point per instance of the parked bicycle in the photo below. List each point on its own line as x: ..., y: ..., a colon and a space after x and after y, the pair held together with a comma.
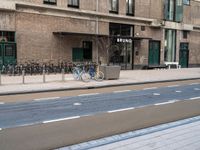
x: 79, y: 73
x: 95, y: 73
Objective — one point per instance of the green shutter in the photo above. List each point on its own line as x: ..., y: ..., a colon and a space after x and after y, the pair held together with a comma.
x: 77, y: 54
x: 179, y: 11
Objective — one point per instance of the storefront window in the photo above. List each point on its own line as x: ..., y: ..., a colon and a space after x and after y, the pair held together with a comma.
x: 122, y: 45
x: 121, y: 30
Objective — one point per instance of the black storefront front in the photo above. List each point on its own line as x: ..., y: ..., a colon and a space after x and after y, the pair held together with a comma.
x: 123, y: 43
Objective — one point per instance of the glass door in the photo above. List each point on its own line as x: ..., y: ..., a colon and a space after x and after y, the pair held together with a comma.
x: 184, y: 55
x: 124, y: 53
x: 1, y: 55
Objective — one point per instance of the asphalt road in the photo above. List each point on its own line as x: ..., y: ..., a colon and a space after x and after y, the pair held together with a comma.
x: 52, y: 122
x: 42, y: 110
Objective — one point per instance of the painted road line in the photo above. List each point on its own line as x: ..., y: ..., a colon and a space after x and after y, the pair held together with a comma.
x: 194, y: 84
x: 178, y: 91
x: 197, y: 89
x: 151, y: 88
x: 164, y: 103
x: 77, y: 104
x: 193, y: 98
x: 170, y: 86
x: 156, y: 94
x: 88, y: 94
x: 119, y: 110
x: 123, y: 91
x: 62, y: 119
x: 46, y: 98
x: 1, y: 103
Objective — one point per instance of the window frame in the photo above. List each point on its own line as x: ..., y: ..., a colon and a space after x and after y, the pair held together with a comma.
x: 72, y: 4
x: 50, y: 2
x: 128, y: 8
x: 111, y: 7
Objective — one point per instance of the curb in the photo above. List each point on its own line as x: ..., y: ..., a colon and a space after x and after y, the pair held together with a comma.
x: 92, y: 87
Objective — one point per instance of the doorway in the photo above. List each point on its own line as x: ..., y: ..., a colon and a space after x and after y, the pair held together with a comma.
x: 154, y: 53
x: 184, y: 55
x: 7, y: 53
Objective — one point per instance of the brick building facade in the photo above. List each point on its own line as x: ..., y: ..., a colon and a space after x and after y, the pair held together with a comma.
x: 150, y: 32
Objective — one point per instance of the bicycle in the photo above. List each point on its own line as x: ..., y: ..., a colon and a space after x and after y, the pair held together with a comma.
x: 79, y: 73
x: 95, y: 73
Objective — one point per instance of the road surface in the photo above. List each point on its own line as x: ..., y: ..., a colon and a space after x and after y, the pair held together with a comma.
x: 54, y: 122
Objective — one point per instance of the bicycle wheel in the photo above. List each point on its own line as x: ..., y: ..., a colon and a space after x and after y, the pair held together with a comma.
x: 99, y: 76
x: 75, y: 74
x: 85, y: 77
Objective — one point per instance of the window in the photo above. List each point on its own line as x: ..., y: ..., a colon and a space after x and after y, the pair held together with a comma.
x: 186, y: 2
x: 142, y: 28
x: 185, y: 34
x: 170, y: 45
x: 87, y: 50
x: 114, y: 4
x: 51, y: 2
x: 130, y: 7
x: 121, y: 30
x: 9, y: 50
x: 73, y: 3
x: 6, y: 36
x: 174, y: 10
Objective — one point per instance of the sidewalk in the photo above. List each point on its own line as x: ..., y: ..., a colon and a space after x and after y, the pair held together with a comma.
x: 13, y: 84
x: 179, y: 135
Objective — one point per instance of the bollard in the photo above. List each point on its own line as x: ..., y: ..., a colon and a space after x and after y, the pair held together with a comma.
x: 44, y: 76
x: 23, y: 76
x: 0, y: 77
x: 63, y: 75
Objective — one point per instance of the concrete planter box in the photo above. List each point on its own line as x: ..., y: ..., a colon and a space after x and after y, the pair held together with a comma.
x: 110, y: 72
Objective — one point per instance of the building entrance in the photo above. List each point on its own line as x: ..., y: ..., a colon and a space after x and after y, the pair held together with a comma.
x: 7, y: 48
x: 122, y: 42
x: 7, y: 54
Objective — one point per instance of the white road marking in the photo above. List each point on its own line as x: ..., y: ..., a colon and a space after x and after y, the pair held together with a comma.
x: 119, y: 110
x: 90, y: 94
x: 62, y: 119
x: 194, y: 84
x: 156, y: 94
x: 1, y: 103
x: 164, y: 103
x: 122, y: 91
x: 196, y: 89
x: 193, y: 98
x: 151, y: 88
x: 170, y: 86
x: 178, y: 91
x: 46, y: 98
x: 28, y: 124
x: 77, y: 104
